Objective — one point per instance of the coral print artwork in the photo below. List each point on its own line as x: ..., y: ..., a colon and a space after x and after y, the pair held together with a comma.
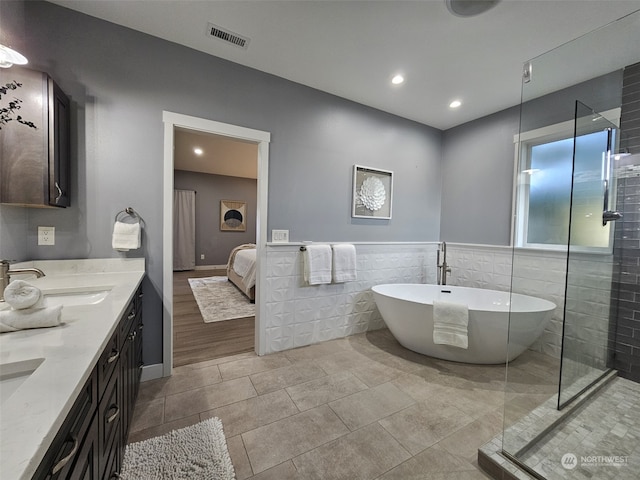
x: 372, y: 190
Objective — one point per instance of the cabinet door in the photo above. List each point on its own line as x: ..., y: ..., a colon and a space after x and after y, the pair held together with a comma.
x: 59, y: 146
x: 23, y: 150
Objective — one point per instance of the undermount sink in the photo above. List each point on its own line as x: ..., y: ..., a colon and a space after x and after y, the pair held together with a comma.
x: 12, y: 375
x: 70, y: 298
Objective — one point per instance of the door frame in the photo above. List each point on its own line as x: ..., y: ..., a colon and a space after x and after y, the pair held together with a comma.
x: 171, y: 121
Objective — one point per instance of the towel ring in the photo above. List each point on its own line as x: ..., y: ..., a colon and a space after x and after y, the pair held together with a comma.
x: 131, y: 212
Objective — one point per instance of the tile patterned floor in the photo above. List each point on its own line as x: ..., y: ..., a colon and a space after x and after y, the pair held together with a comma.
x: 602, y: 434
x: 361, y: 407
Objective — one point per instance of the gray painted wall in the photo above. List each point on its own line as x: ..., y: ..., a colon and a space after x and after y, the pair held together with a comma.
x: 120, y: 81
x: 210, y: 240
x: 478, y: 159
x: 477, y: 178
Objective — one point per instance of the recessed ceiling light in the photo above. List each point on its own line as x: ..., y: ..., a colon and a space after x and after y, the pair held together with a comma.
x: 455, y: 104
x: 198, y: 151
x: 397, y: 80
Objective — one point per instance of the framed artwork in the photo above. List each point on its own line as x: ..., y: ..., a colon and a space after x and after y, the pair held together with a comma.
x: 233, y: 216
x: 372, y: 192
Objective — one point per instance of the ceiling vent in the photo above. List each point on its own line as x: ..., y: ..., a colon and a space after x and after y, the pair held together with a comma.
x: 227, y: 36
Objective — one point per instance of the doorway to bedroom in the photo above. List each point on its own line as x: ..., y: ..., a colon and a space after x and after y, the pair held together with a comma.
x: 214, y: 230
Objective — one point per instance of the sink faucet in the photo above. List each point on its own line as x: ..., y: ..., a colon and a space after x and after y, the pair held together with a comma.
x: 5, y: 275
x: 443, y: 268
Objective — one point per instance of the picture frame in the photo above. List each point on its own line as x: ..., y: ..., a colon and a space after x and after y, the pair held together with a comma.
x: 233, y: 216
x: 372, y: 194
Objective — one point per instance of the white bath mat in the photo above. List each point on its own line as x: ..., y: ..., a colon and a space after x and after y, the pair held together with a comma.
x: 195, y: 452
x: 218, y: 299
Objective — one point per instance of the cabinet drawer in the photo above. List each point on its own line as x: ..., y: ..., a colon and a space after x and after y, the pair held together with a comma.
x: 86, y: 467
x: 108, y: 361
x: 109, y: 418
x: 127, y: 321
x: 66, y: 448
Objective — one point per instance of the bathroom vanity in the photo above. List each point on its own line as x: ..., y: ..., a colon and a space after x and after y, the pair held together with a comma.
x: 68, y: 392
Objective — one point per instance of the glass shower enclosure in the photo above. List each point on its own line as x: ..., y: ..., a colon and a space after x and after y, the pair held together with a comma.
x: 576, y: 237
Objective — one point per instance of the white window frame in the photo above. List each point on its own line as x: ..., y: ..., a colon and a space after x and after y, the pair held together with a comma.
x: 523, y: 143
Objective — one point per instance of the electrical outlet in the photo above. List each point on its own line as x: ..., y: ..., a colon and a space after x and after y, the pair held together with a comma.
x: 202, y: 256
x: 280, y: 236
x: 46, y: 235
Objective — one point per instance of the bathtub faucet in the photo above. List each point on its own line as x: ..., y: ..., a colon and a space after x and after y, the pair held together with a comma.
x: 441, y: 263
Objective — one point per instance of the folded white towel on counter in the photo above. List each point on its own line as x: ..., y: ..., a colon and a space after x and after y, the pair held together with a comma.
x: 450, y: 324
x: 20, y: 294
x: 344, y: 262
x: 317, y: 264
x: 12, y: 320
x: 126, y: 236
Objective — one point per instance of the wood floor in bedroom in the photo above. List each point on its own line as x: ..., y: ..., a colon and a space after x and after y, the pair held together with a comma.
x: 195, y: 341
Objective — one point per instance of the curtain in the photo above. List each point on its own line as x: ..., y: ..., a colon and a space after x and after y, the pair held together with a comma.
x: 184, y: 230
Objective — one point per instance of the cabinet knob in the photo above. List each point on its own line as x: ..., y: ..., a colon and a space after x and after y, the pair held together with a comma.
x: 115, y: 414
x: 60, y: 192
x: 114, y: 356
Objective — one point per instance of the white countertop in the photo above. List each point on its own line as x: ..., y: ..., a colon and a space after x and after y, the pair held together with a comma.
x: 33, y: 414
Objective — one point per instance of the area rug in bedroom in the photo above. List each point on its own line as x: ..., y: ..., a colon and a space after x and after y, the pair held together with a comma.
x: 219, y: 299
x: 195, y: 452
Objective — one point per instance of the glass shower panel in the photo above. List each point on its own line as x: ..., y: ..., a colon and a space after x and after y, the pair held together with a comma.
x: 585, y: 353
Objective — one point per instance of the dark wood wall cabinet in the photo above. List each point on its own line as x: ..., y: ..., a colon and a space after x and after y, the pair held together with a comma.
x: 35, y: 148
x: 90, y: 444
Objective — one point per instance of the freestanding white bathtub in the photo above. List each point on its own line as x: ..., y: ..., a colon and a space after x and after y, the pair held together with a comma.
x: 501, y: 325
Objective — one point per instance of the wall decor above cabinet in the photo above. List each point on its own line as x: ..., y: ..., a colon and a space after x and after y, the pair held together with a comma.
x: 34, y: 140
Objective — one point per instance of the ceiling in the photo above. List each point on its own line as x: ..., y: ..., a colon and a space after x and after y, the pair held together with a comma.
x: 220, y: 155
x: 353, y: 48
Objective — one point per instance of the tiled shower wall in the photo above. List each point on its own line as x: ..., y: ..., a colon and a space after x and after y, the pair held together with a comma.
x: 298, y: 314
x: 626, y: 335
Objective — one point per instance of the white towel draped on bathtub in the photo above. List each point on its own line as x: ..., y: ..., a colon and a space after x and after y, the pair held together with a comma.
x: 450, y: 323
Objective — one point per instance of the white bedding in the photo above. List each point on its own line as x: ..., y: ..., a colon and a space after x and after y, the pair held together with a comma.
x: 244, y: 261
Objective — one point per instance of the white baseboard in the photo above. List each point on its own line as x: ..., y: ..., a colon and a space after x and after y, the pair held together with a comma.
x: 210, y: 267
x: 151, y: 372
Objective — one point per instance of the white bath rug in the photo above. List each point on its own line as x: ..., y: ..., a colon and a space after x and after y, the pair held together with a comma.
x: 218, y: 299
x: 195, y: 452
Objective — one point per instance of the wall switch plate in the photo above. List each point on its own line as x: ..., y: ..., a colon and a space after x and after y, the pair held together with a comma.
x: 202, y: 256
x: 46, y: 235
x: 280, y: 236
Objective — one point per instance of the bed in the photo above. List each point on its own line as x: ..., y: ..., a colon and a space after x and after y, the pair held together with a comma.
x: 241, y: 269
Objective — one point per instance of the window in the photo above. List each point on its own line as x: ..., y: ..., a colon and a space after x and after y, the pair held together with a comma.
x: 544, y: 205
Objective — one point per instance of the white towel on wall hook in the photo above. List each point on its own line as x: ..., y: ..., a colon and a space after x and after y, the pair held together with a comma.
x: 317, y: 264
x: 344, y: 262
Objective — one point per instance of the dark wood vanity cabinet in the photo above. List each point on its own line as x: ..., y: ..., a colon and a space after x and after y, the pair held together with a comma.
x: 35, y: 160
x: 90, y: 445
